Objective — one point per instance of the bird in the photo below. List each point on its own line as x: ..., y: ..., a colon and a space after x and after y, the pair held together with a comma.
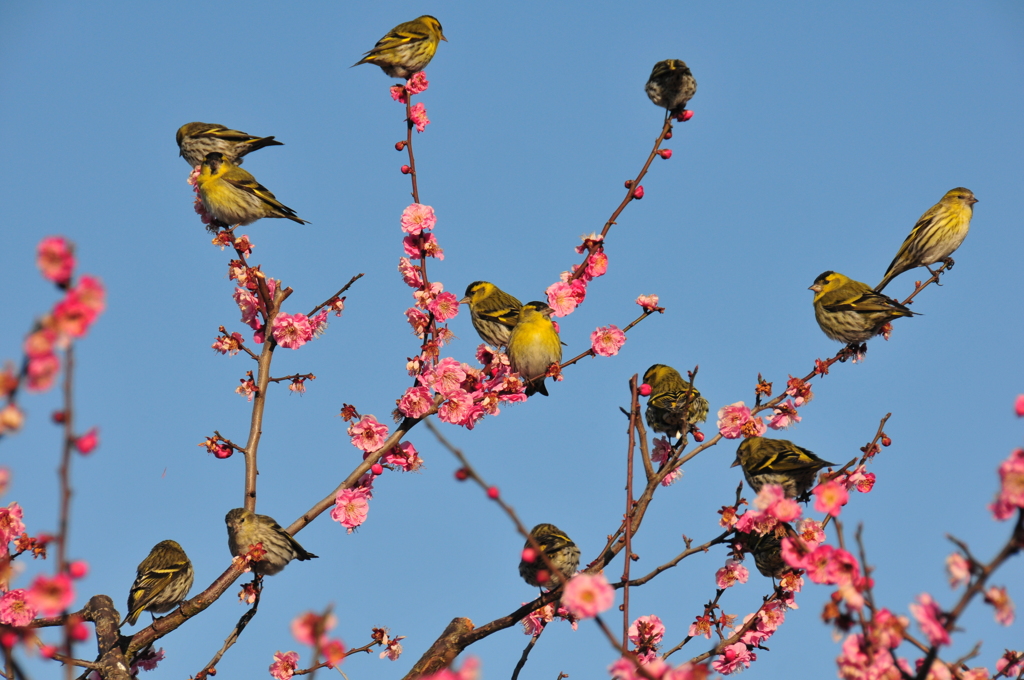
x: 560, y: 550
x: 246, y: 529
x: 767, y: 550
x: 407, y: 48
x: 195, y: 140
x: 671, y: 85
x: 534, y: 345
x: 669, y: 394
x: 493, y: 312
x: 850, y: 311
x: 778, y: 461
x: 162, y: 580
x: 233, y: 196
x: 936, y: 236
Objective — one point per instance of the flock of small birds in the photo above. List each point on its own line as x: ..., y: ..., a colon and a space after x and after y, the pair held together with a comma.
x: 846, y: 310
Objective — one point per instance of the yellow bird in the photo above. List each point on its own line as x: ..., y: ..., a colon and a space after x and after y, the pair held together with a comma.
x: 493, y: 312
x: 233, y: 196
x: 407, y: 48
x: 937, y: 234
x: 162, y: 581
x: 671, y: 85
x: 559, y: 548
x: 668, y: 396
x: 195, y: 140
x: 246, y: 529
x: 850, y: 311
x: 778, y: 461
x: 534, y: 345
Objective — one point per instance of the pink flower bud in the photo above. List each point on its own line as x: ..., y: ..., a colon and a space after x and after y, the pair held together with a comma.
x: 628, y: 183
x: 406, y: 169
x: 543, y: 575
x: 665, y: 153
x: 529, y: 554
x: 462, y: 474
x: 492, y: 493
x: 638, y: 193
x: 78, y: 569
x: 645, y: 390
x: 47, y: 651
x: 88, y: 442
x: 698, y: 436
x: 668, y: 135
x: 684, y: 116
x: 399, y: 146
x: 1018, y: 406
x: 377, y: 469
x: 58, y: 417
x: 885, y: 440
x: 79, y: 632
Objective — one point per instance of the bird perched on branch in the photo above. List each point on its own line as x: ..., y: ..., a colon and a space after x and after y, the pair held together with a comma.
x: 246, y: 529
x: 850, y: 311
x: 162, y: 581
x: 407, y: 48
x: 233, y: 196
x: 778, y: 461
x: 494, y: 312
x: 671, y: 85
x: 195, y: 140
x: 767, y: 550
x: 534, y: 345
x: 666, y: 410
x: 937, y: 234
x: 559, y: 548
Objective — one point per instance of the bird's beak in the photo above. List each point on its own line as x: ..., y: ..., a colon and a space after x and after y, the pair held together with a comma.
x: 972, y: 200
x: 464, y: 301
x: 444, y: 38
x: 816, y: 288
x: 735, y: 463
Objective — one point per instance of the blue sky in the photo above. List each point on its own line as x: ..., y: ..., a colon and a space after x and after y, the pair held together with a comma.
x: 820, y: 134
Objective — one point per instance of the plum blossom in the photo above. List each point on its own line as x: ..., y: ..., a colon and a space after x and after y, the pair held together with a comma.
x: 416, y: 402
x: 284, y: 665
x: 733, y: 572
x: 733, y: 658
x: 417, y: 218
x: 587, y: 595
x: 1011, y: 488
x: 928, y: 615
x: 55, y: 257
x: 368, y: 434
x: 51, y: 596
x: 649, y: 302
x: 735, y: 421
x: 561, y: 298
x: 351, y: 506
x: 418, y: 116
x: 1000, y: 599
x: 784, y: 415
x: 15, y: 609
x: 607, y: 340
x: 830, y: 497
x: 292, y: 330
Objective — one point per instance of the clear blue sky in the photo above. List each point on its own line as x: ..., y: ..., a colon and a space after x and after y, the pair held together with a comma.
x: 820, y: 134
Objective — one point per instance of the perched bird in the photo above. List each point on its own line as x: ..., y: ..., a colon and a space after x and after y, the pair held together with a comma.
x: 493, y: 312
x: 195, y: 140
x: 937, y: 234
x: 669, y: 392
x: 162, y: 580
x: 559, y: 548
x: 233, y: 196
x: 850, y: 311
x: 671, y: 85
x: 407, y: 48
x: 534, y: 345
x: 767, y: 550
x: 778, y: 461
x: 246, y: 529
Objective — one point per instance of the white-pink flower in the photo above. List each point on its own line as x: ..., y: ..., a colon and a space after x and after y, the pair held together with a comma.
x: 734, y: 420
x: 648, y: 301
x: 928, y: 615
x: 561, y: 298
x: 11, y: 525
x: 417, y: 218
x: 607, y: 340
x: 733, y: 572
x: 15, y: 609
x: 367, y: 434
x: 416, y: 402
x: 284, y: 665
x: 292, y: 330
x: 351, y: 506
x: 444, y: 307
x: 587, y: 595
x: 959, y: 570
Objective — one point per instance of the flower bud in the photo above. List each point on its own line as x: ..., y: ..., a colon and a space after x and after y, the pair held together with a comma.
x: 406, y: 169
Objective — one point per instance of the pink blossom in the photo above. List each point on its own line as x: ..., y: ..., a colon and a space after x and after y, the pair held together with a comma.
x: 249, y: 305
x: 649, y: 302
x: 768, y: 496
x: 446, y: 377
x: 1008, y: 667
x: 1011, y: 490
x: 799, y: 390
x: 811, y: 532
x: 701, y: 626
x: 972, y: 674
x: 597, y: 264
x: 410, y: 273
x: 11, y: 418
x: 791, y: 582
x: 625, y: 668
x: 561, y: 298
x: 785, y: 510
x: 146, y: 661
x: 392, y: 647
x: 457, y: 408
x: 416, y: 402
x: 830, y: 497
x: 78, y: 569
x: 647, y: 631
x: 351, y: 506
x: 91, y: 293
x: 55, y: 257
x: 418, y: 116
x: 426, y: 295
x: 5, y: 483
x: 735, y: 421
x: 418, y: 320
x: 230, y: 345
x: 687, y: 671
x: 318, y: 323
x: 399, y: 94
x: 367, y: 434
x: 333, y: 652
x: 730, y: 574
x: 756, y: 522
x: 928, y: 615
x: 51, y: 596
x: 860, y: 479
x: 771, y: 616
x: 417, y: 83
x: 959, y: 570
x: 404, y: 457
x: 72, y: 317
x: 417, y: 218
x: 292, y: 330
x: 587, y: 595
x: 1000, y: 599
x: 246, y: 388
x: 444, y: 307
x: 88, y: 442
x: 430, y: 247
x: 607, y: 340
x: 887, y: 629
x: 284, y: 665
x: 1018, y: 406
x: 784, y: 415
x: 733, y: 658
x: 15, y: 609
x: 42, y: 371
x: 306, y: 627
